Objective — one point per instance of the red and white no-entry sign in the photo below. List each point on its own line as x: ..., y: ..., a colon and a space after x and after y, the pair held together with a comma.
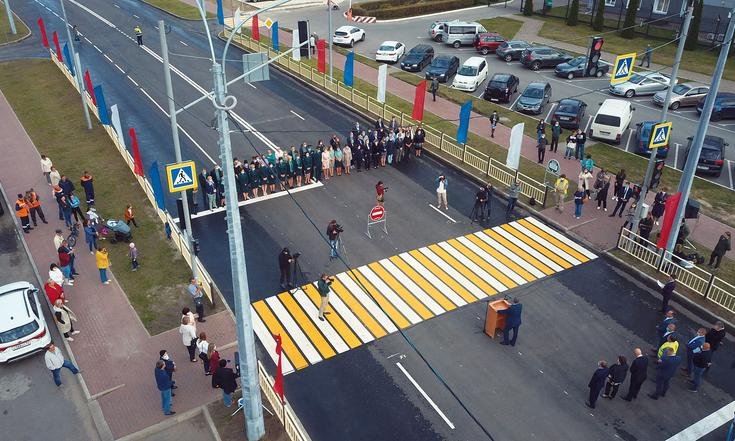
x: 377, y: 213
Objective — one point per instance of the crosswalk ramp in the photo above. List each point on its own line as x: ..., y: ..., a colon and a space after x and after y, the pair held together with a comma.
x: 382, y: 297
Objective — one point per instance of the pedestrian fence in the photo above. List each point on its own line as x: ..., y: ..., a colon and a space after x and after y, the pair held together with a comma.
x: 479, y: 162
x: 702, y: 282
x: 283, y: 410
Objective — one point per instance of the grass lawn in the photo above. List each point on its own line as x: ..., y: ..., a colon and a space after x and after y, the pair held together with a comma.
x: 179, y: 9
x: 56, y: 125
x: 230, y: 428
x: 507, y: 27
x: 20, y: 28
x: 716, y: 201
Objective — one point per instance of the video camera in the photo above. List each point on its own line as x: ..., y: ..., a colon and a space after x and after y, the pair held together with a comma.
x: 296, y: 255
x: 338, y: 228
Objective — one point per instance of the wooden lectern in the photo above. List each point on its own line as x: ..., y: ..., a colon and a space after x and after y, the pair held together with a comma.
x: 493, y: 319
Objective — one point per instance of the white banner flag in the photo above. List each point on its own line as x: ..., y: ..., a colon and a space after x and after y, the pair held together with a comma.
x: 382, y: 82
x: 296, y: 53
x: 237, y: 19
x: 514, y: 150
x: 116, y: 124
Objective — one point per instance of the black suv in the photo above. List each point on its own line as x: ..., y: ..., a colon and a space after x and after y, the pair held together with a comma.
x: 712, y: 157
x: 417, y: 58
x: 443, y: 68
x: 511, y: 50
x: 501, y: 87
x: 543, y: 57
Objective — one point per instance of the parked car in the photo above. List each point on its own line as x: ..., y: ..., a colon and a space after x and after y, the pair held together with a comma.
x: 418, y: 58
x: 390, y: 51
x: 535, y: 59
x: 570, y: 113
x: 488, y: 42
x: 472, y: 73
x: 511, y: 50
x: 348, y: 35
x: 501, y: 87
x: 643, y: 140
x: 443, y: 68
x: 460, y: 33
x: 646, y: 83
x: 23, y: 330
x: 712, y: 157
x: 682, y: 95
x: 576, y: 67
x: 437, y: 30
x: 612, y: 120
x: 724, y: 107
x: 534, y: 97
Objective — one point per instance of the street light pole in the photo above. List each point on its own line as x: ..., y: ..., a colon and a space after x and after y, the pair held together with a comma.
x: 11, y: 20
x: 329, y: 7
x: 177, y: 145
x: 685, y: 185
x: 77, y: 67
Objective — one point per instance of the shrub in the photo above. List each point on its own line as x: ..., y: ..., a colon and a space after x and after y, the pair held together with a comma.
x: 573, y: 17
x: 599, y: 21
x: 528, y: 8
x: 629, y: 24
x: 692, y: 42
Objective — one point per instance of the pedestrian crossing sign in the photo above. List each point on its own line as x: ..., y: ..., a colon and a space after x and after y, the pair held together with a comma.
x: 660, y: 135
x: 623, y: 68
x: 181, y: 176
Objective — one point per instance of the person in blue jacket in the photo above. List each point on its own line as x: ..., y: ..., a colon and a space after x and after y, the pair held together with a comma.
x: 164, y: 383
x: 512, y: 321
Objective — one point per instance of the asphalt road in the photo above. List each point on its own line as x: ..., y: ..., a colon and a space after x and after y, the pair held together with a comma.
x: 590, y: 90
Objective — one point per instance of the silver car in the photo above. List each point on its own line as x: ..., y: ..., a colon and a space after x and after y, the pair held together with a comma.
x: 682, y: 95
x: 646, y: 83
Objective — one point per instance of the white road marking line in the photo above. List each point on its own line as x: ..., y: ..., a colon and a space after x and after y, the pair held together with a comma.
x: 487, y: 257
x: 442, y: 213
x: 390, y: 295
x: 706, y: 424
x: 118, y: 7
x: 119, y: 68
x: 676, y: 155
x: 729, y: 171
x: 94, y: 14
x: 630, y: 136
x: 133, y: 81
x: 109, y: 59
x: 135, y: 16
x: 453, y: 273
x: 528, y: 249
x: 349, y: 317
x: 549, y: 114
x: 412, y: 287
x: 433, y: 279
x: 545, y: 243
x: 251, y: 85
x: 511, y: 255
x: 589, y: 123
x: 98, y: 49
x: 324, y: 326
x: 512, y: 106
x: 425, y: 395
x: 183, y: 43
x: 473, y: 267
x: 294, y: 330
x: 299, y: 116
x: 269, y: 342
x: 367, y: 302
x: 156, y: 27
x: 562, y: 238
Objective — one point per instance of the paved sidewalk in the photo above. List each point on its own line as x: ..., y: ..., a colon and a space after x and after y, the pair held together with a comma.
x: 113, y: 348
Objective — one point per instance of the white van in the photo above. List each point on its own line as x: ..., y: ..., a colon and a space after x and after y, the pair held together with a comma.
x: 472, y: 73
x: 458, y: 33
x: 612, y: 120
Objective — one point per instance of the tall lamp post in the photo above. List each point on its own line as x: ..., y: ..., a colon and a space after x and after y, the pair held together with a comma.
x: 77, y: 66
x: 11, y: 20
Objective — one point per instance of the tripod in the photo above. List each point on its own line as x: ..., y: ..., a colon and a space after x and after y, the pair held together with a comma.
x: 297, y: 277
x: 478, y: 211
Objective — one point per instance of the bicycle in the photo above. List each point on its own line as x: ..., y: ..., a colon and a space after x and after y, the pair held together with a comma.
x: 71, y: 239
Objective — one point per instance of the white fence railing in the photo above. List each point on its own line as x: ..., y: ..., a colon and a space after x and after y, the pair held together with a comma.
x: 696, y: 279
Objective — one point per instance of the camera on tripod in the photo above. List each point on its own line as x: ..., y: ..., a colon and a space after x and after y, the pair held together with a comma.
x: 338, y: 228
x: 296, y: 255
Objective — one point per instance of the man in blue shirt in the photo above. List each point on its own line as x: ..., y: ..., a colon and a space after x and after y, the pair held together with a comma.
x: 512, y: 321
x: 694, y: 346
x: 163, y: 381
x: 665, y: 371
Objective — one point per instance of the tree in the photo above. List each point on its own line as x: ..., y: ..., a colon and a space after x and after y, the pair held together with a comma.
x: 629, y: 24
x: 599, y: 21
x: 573, y: 16
x: 692, y: 42
x: 528, y: 8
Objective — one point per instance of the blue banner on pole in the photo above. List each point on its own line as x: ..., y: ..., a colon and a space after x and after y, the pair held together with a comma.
x: 67, y: 58
x: 348, y: 72
x: 464, y: 122
x: 102, y: 106
x: 155, y: 179
x: 274, y: 35
x: 220, y: 13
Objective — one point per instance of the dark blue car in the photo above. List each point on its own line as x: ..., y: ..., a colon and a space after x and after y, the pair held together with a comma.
x: 643, y: 139
x: 724, y: 107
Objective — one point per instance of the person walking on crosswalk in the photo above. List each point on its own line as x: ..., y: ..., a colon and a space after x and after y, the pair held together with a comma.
x: 138, y: 34
x: 324, y: 290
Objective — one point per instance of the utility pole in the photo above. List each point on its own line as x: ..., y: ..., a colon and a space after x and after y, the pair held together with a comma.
x: 11, y: 20
x: 77, y: 66
x: 664, y: 112
x: 685, y: 185
x: 177, y: 145
x: 329, y: 7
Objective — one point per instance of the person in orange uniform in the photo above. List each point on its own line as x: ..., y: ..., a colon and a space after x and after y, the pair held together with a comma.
x: 34, y: 205
x: 21, y: 210
x: 130, y: 215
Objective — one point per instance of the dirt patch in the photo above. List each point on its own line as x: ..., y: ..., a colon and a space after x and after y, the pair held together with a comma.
x: 231, y: 428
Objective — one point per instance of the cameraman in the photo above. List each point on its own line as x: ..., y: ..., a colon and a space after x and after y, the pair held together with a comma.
x: 333, y: 231
x: 284, y: 264
x: 441, y: 191
x: 323, y: 286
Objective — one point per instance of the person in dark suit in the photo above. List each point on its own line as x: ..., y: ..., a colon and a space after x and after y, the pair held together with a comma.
x: 512, y: 321
x: 638, y: 374
x: 597, y: 382
x: 225, y: 379
x: 665, y: 371
x: 667, y: 291
x: 662, y: 327
x: 624, y: 195
x: 616, y: 377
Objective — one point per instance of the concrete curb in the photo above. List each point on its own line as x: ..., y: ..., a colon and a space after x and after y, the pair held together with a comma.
x: 30, y: 32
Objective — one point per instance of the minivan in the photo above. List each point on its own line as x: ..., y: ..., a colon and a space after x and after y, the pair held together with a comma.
x: 612, y: 120
x: 460, y: 33
x: 472, y: 73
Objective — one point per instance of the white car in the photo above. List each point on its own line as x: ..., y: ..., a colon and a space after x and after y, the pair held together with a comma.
x: 23, y: 330
x: 348, y: 35
x: 612, y: 120
x: 390, y: 51
x: 471, y: 74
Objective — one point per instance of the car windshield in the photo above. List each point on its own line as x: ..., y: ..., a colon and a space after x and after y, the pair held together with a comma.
x: 498, y: 84
x: 576, y: 61
x: 567, y: 108
x: 19, y: 332
x: 387, y: 47
x: 636, y: 79
x: 534, y: 93
x: 439, y: 62
x: 340, y: 33
x: 646, y: 130
x: 503, y: 45
x: 607, y: 120
x: 469, y: 71
x: 681, y: 89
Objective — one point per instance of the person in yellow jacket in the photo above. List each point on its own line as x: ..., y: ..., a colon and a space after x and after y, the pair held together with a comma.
x: 138, y: 34
x: 670, y: 342
x: 103, y: 263
x: 21, y: 210
x: 560, y: 191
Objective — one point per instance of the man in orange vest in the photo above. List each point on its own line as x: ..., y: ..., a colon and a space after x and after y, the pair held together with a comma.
x: 21, y: 209
x: 34, y: 204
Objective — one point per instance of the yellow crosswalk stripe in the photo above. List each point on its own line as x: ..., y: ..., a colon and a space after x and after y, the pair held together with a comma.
x: 424, y: 284
x: 444, y: 277
x: 275, y: 328
x: 385, y: 305
x: 306, y: 325
x: 554, y: 241
x: 502, y: 278
x: 358, y: 309
x: 334, y: 319
x: 518, y: 251
x: 471, y: 276
x: 401, y: 290
x: 501, y: 257
x: 536, y: 246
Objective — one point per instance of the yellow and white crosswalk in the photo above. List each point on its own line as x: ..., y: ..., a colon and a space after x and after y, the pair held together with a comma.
x: 382, y: 297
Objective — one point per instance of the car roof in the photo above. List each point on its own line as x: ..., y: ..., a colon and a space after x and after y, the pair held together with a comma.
x: 692, y: 85
x: 489, y: 34
x: 614, y: 104
x: 501, y: 76
x: 389, y: 43
x: 517, y: 41
x: 473, y: 61
x: 650, y: 74
x: 537, y: 85
x: 714, y: 141
x: 345, y: 28
x: 14, y: 311
x: 444, y: 57
x: 724, y: 96
x: 421, y: 48
x: 571, y: 101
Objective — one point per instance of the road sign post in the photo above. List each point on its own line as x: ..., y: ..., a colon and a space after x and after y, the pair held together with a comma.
x: 376, y: 216
x: 623, y: 68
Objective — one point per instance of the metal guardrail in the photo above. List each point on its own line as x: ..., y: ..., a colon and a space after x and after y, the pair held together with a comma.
x: 481, y: 163
x: 696, y: 279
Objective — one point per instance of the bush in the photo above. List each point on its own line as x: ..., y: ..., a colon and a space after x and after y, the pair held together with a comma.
x: 528, y: 8
x: 573, y: 17
x: 599, y: 21
x: 692, y: 43
x: 408, y: 8
x: 629, y: 24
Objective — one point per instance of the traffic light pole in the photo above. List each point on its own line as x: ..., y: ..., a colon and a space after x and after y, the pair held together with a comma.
x: 685, y: 185
x: 664, y: 113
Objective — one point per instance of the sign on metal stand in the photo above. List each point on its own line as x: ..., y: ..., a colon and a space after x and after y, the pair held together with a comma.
x: 376, y: 216
x: 623, y: 68
x: 181, y: 176
x: 552, y: 168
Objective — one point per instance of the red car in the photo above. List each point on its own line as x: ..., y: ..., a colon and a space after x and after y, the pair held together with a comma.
x: 488, y: 42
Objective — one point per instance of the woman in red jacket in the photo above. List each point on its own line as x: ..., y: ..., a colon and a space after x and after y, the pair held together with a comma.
x: 54, y: 291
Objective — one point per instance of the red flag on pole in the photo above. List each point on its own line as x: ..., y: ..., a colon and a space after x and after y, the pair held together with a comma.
x: 256, y: 28
x: 321, y: 55
x: 90, y: 88
x: 278, y: 384
x: 418, y: 101
x: 44, y: 37
x: 668, y: 225
x: 138, y: 168
x: 58, y: 49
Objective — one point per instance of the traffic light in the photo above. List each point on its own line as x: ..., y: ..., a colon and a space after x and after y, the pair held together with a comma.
x: 593, y: 60
x: 196, y: 247
x: 658, y: 170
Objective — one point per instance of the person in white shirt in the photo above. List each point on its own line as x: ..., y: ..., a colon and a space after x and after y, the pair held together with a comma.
x: 58, y: 239
x: 55, y: 274
x: 188, y: 333
x: 55, y: 361
x: 441, y: 191
x: 203, y: 349
x: 46, y: 165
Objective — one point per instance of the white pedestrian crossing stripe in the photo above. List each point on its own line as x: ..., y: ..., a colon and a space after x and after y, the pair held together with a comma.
x: 377, y: 299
